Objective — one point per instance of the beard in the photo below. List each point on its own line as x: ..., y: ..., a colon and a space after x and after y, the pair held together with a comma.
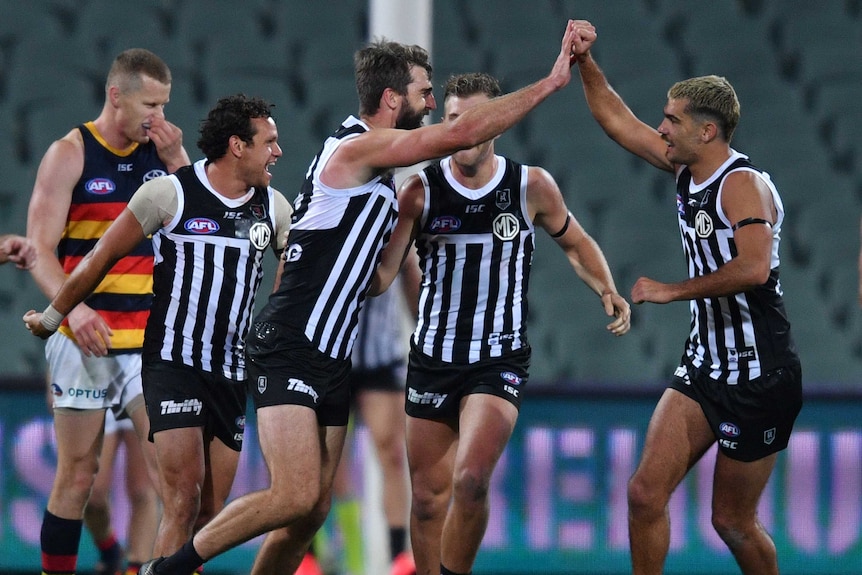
x: 410, y: 119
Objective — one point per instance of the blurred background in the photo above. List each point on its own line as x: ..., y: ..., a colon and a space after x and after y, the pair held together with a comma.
x: 797, y: 68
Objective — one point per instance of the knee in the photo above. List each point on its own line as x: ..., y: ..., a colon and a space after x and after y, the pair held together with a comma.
x: 732, y: 529
x: 429, y: 500
x: 471, y: 486
x: 644, y: 500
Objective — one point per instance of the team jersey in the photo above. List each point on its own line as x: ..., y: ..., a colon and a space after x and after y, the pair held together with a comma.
x: 475, y: 249
x: 334, y: 246
x: 208, y: 268
x: 109, y: 178
x: 380, y: 336
x: 740, y: 337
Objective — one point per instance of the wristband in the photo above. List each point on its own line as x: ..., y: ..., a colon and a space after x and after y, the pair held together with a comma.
x: 51, y: 318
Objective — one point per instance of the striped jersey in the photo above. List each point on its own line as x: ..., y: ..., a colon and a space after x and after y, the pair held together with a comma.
x: 109, y: 178
x: 334, y: 246
x: 475, y: 249
x: 380, y: 335
x: 734, y: 338
x: 208, y: 268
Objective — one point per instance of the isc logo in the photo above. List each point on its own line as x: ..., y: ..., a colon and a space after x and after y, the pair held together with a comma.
x: 100, y: 186
x: 201, y: 226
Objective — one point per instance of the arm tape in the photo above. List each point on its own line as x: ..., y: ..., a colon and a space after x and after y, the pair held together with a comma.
x: 747, y: 221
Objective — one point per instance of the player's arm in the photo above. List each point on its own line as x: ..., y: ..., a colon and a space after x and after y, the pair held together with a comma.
x: 748, y: 204
x: 283, y: 214
x: 411, y: 203
x: 357, y: 159
x: 617, y: 119
x: 548, y: 211
x: 18, y: 250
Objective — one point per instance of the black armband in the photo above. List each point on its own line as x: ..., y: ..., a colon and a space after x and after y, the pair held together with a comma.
x: 747, y: 221
x: 565, y: 227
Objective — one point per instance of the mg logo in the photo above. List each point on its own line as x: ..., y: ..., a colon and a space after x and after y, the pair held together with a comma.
x: 260, y: 234
x: 703, y: 224
x: 506, y: 227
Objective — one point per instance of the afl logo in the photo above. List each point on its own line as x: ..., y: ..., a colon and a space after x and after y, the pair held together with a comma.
x: 153, y: 174
x: 506, y: 227
x: 100, y: 186
x: 260, y: 234
x: 201, y: 226
x: 703, y: 224
x: 240, y: 422
x: 56, y: 390
x: 510, y: 377
x: 729, y: 429
x: 444, y: 224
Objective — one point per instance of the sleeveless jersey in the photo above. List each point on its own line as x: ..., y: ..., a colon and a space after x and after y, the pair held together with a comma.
x: 475, y: 249
x: 334, y: 246
x: 109, y: 178
x: 207, y: 272
x: 735, y: 338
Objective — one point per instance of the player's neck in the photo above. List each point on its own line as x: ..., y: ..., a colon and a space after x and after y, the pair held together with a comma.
x: 474, y: 175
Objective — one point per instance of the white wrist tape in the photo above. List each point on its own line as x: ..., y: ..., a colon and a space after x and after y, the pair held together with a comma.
x: 51, y: 318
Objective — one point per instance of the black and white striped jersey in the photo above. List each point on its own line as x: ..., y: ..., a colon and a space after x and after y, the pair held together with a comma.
x: 475, y: 249
x: 333, y: 249
x: 381, y: 337
x: 208, y: 267
x: 735, y: 338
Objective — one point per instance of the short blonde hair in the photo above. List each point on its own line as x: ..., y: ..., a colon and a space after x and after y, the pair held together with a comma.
x: 712, y: 97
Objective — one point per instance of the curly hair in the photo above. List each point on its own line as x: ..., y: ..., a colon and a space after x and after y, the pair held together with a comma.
x: 231, y: 116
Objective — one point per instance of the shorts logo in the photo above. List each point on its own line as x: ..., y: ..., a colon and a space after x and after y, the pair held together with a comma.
x: 506, y: 227
x: 261, y: 384
x: 171, y: 407
x: 729, y: 429
x: 260, y: 234
x: 88, y: 393
x: 427, y: 398
x: 292, y: 253
x: 510, y: 377
x: 682, y: 373
x: 240, y: 422
x: 769, y: 436
x: 56, y: 390
x: 299, y: 386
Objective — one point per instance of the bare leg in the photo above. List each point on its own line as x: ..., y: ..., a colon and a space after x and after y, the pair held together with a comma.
x: 144, y: 515
x: 736, y: 492
x: 79, y: 442
x: 677, y: 437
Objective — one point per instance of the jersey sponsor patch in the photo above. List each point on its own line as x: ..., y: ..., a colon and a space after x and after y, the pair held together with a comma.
x: 506, y: 227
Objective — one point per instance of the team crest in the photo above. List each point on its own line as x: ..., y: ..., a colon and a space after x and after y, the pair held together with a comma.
x: 258, y: 211
x: 769, y: 436
x: 503, y: 199
x: 261, y: 384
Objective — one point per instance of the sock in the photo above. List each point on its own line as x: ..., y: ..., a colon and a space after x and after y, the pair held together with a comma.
x: 397, y: 540
x: 59, y: 540
x: 132, y: 568
x: 347, y: 515
x: 444, y: 571
x: 186, y: 560
x: 110, y: 552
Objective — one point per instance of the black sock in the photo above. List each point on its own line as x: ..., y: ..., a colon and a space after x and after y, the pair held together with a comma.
x: 186, y: 560
x: 444, y: 571
x: 59, y: 540
x: 397, y: 540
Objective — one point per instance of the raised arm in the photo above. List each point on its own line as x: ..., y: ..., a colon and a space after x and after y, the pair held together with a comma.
x: 617, y: 119
x: 549, y: 212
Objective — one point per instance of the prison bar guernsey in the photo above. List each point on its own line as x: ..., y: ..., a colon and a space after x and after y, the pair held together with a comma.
x: 740, y: 337
x: 207, y: 272
x: 475, y: 249
x: 334, y: 246
x: 109, y: 178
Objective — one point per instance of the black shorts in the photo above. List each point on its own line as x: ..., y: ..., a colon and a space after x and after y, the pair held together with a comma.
x: 750, y: 420
x: 180, y: 396
x: 286, y: 369
x: 435, y: 388
x: 387, y: 378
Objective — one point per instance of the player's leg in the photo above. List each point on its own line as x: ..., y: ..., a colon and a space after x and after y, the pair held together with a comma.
x: 97, y: 514
x: 486, y: 424
x: 143, y: 503
x: 677, y: 437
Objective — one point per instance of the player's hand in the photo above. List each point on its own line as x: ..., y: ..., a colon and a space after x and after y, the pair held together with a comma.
x: 90, y: 330
x: 19, y: 250
x: 33, y: 322
x: 168, y: 139
x: 616, y: 306
x: 585, y: 36
x: 647, y: 290
x: 561, y: 73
